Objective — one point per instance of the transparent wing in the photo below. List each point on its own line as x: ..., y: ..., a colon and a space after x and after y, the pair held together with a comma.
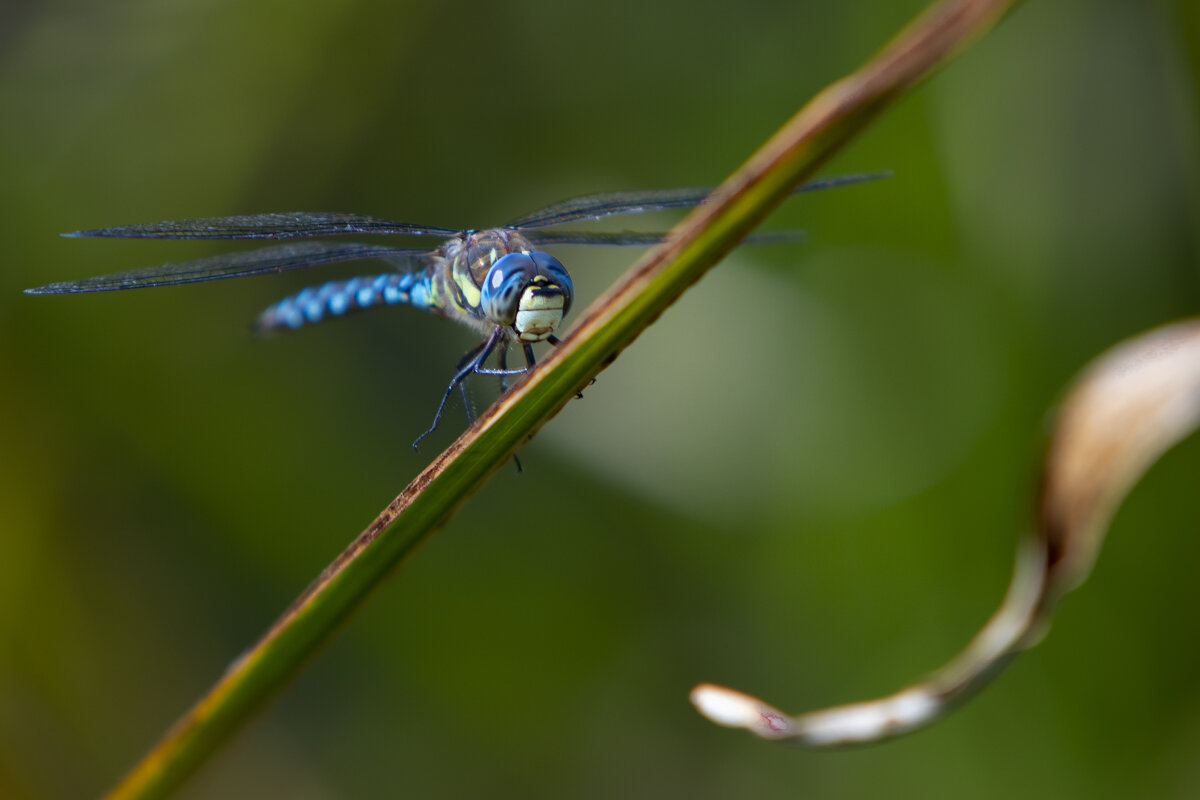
x: 634, y: 238
x: 236, y: 265
x: 288, y: 225
x: 644, y: 239
x: 597, y: 206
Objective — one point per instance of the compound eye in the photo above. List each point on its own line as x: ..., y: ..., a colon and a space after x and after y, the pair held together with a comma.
x: 557, y: 274
x: 503, y: 285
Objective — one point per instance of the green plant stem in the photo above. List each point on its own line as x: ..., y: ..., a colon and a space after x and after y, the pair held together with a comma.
x: 610, y: 324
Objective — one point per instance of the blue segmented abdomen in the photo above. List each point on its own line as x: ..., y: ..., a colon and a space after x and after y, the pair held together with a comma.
x: 337, y: 297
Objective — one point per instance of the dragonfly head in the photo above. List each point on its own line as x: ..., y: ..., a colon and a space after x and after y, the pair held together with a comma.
x: 529, y: 292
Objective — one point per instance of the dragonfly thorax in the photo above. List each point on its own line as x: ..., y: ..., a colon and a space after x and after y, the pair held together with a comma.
x: 529, y: 292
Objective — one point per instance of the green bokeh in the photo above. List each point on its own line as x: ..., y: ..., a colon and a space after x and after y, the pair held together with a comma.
x: 805, y: 482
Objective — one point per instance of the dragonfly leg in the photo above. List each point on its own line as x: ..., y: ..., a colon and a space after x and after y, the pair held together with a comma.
x: 504, y: 371
x: 502, y: 362
x: 468, y: 409
x: 502, y: 365
x: 468, y: 364
x: 470, y: 354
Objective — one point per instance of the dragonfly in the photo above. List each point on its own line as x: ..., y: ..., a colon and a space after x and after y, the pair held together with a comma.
x: 495, y: 280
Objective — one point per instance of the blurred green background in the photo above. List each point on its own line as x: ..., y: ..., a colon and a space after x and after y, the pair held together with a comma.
x: 805, y: 482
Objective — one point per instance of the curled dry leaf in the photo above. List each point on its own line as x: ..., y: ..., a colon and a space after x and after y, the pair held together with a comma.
x: 1126, y: 409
